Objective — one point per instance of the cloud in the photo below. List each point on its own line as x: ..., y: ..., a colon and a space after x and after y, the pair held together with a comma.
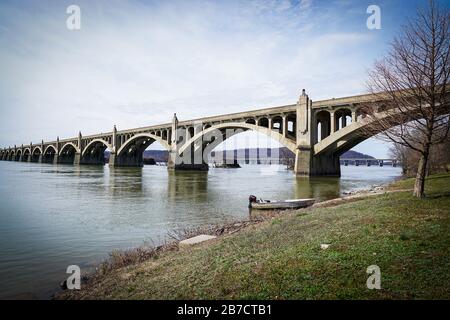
x: 136, y: 63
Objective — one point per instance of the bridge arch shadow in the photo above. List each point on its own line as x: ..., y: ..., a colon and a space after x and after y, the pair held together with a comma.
x: 94, y: 152
x: 67, y: 153
x: 131, y: 152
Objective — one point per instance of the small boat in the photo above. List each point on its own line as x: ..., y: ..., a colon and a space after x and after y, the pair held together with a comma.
x: 279, y: 205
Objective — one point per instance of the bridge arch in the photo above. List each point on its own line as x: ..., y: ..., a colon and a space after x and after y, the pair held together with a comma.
x: 48, y: 156
x: 277, y: 123
x: 349, y: 136
x: 342, y: 118
x: 49, y: 149
x: 263, y: 122
x: 37, y: 148
x: 131, y: 152
x: 291, y: 145
x: 17, y: 155
x: 67, y: 153
x: 36, y: 154
x: 322, y: 125
x: 67, y: 148
x: 26, y: 155
x: 94, y: 152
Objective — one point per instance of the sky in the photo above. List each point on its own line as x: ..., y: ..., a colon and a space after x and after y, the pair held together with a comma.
x: 135, y: 63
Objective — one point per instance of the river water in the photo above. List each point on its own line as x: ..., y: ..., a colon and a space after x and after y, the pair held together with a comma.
x: 55, y: 216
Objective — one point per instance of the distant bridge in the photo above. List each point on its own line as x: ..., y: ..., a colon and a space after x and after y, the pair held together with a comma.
x: 368, y: 162
x: 316, y: 132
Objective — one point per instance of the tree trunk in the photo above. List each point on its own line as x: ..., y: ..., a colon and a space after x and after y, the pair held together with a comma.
x: 419, y: 185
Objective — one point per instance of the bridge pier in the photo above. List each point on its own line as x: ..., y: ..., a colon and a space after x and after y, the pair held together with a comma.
x: 302, y: 166
x: 92, y: 161
x: 35, y: 158
x: 326, y: 165
x: 189, y: 167
x: 48, y: 158
x: 176, y: 163
x: 323, y: 165
x: 96, y: 157
x: 62, y: 159
x: 306, y: 163
x: 130, y: 160
x: 192, y: 157
x: 77, y: 159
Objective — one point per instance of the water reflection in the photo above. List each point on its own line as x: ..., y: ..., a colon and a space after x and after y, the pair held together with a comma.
x: 125, y: 181
x: 320, y: 188
x: 187, y: 186
x: 55, y: 216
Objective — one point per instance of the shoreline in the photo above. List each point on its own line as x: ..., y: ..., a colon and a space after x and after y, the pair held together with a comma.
x: 319, y: 252
x: 134, y: 256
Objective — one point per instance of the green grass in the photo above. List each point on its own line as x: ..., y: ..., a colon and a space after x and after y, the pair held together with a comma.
x: 406, y: 237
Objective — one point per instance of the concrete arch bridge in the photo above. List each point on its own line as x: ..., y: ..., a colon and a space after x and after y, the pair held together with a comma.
x: 316, y: 132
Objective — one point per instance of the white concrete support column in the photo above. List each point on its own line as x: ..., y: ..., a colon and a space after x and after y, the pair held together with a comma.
x: 332, y: 123
x: 353, y: 116
x: 269, y: 119
x: 285, y: 124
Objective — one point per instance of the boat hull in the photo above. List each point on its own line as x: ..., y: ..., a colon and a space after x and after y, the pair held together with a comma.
x: 283, y: 205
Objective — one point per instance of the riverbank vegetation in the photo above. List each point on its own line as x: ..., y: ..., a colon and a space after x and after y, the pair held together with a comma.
x: 282, y: 258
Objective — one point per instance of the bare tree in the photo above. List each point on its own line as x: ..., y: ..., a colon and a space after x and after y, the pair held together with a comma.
x: 400, y: 152
x: 411, y: 86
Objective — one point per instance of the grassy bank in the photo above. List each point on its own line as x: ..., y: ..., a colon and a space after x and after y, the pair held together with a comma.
x: 282, y: 259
